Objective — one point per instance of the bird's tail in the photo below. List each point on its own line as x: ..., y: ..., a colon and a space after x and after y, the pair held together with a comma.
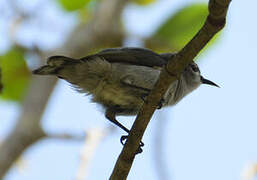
x: 54, y: 64
x: 84, y: 73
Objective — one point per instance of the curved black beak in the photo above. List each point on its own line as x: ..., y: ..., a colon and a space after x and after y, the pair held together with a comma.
x: 206, y: 81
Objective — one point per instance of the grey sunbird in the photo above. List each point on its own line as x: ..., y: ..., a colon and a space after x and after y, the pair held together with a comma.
x: 119, y: 79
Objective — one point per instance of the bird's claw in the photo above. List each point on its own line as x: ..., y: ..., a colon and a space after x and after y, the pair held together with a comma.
x: 122, y: 139
x: 139, y: 150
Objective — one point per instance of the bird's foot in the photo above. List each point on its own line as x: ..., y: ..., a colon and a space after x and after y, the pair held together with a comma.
x: 123, y: 139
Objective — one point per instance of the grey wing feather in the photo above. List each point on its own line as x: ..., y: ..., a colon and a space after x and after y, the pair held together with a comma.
x: 129, y: 80
x: 139, y: 77
x: 129, y: 55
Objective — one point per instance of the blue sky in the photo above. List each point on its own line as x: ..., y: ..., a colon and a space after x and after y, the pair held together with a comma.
x: 211, y: 134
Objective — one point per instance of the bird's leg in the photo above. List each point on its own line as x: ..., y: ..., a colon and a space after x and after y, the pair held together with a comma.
x: 110, y: 115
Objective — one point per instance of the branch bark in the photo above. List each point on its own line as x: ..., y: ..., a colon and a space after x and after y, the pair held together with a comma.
x: 86, y: 37
x: 214, y: 23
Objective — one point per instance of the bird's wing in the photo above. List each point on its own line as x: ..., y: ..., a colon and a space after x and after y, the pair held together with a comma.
x: 134, y: 56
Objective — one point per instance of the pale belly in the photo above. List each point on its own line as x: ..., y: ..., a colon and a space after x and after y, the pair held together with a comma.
x: 121, y: 99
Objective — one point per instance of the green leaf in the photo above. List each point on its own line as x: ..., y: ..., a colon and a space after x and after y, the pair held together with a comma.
x: 15, y: 75
x: 73, y: 5
x: 143, y: 2
x: 179, y: 29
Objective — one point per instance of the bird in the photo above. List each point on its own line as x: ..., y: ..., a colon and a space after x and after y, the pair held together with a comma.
x: 119, y: 79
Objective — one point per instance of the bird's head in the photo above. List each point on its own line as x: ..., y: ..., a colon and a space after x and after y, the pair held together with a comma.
x: 193, y: 77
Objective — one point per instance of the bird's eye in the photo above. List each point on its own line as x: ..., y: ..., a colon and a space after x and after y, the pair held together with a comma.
x: 195, y: 68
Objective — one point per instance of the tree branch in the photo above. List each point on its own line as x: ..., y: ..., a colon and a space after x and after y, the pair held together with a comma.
x: 214, y: 23
x: 94, y: 137
x: 84, y: 38
x: 65, y: 136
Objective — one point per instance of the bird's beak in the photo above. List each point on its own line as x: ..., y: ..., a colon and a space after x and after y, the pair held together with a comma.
x: 206, y: 81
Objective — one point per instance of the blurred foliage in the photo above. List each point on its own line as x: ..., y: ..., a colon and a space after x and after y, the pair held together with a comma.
x: 143, y: 2
x: 73, y: 5
x: 179, y: 29
x: 1, y: 84
x: 15, y: 74
x: 85, y: 15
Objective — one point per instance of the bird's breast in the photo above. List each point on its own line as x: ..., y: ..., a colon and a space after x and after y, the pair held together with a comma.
x: 117, y: 97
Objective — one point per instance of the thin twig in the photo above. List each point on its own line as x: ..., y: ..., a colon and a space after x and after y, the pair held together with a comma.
x: 94, y: 137
x: 65, y: 136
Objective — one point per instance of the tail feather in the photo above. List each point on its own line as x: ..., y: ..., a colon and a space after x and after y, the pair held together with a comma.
x: 46, y: 70
x: 85, y: 74
x: 54, y: 64
x: 60, y: 60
